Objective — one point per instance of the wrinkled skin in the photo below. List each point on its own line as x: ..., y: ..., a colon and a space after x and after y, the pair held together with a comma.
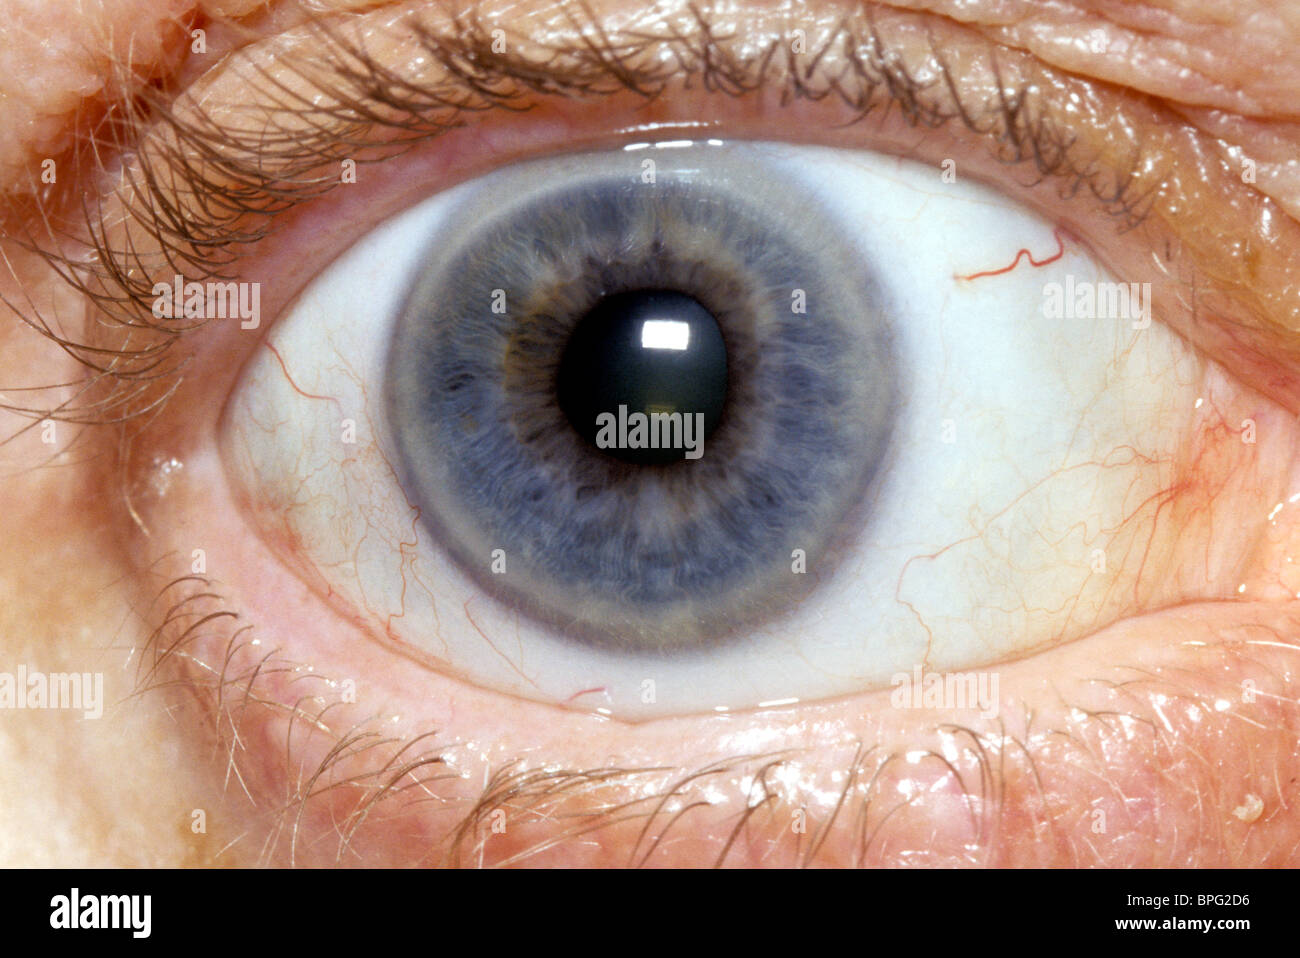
x: 1135, y: 745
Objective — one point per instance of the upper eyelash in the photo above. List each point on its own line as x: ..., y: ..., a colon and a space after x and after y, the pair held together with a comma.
x: 204, y: 192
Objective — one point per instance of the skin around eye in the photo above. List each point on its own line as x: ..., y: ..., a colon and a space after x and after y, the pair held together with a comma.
x: 1161, y: 739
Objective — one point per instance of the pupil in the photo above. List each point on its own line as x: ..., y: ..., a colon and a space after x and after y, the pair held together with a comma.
x: 649, y: 351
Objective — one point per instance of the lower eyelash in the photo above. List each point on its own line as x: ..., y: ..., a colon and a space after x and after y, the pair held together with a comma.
x: 195, y: 194
x: 359, y: 774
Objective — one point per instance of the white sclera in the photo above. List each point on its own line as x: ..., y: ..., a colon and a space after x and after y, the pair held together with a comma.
x: 1026, y: 444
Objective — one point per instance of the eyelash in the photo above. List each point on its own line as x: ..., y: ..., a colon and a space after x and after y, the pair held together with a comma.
x: 207, y: 192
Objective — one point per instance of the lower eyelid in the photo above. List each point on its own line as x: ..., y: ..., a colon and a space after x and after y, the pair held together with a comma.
x: 1078, y: 745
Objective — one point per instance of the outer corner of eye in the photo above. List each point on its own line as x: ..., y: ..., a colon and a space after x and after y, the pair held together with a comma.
x: 706, y: 426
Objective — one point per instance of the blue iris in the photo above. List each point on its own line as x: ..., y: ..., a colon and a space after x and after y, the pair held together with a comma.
x: 672, y: 556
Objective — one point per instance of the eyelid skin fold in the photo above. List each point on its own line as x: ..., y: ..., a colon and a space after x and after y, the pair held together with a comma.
x: 332, y: 775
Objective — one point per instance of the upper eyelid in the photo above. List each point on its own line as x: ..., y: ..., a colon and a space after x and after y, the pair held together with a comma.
x: 205, y: 190
x: 200, y: 157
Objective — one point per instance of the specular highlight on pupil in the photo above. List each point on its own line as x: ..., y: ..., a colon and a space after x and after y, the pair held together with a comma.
x: 562, y: 298
x: 643, y: 377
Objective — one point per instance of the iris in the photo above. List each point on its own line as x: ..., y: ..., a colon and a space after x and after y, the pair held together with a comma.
x: 564, y: 291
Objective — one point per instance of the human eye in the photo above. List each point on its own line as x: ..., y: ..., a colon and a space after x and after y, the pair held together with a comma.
x: 813, y: 542
x: 342, y: 675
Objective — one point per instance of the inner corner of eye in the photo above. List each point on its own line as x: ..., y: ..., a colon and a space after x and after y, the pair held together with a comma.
x: 701, y: 425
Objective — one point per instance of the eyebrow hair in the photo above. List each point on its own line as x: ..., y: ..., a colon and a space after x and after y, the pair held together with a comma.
x: 194, y: 192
